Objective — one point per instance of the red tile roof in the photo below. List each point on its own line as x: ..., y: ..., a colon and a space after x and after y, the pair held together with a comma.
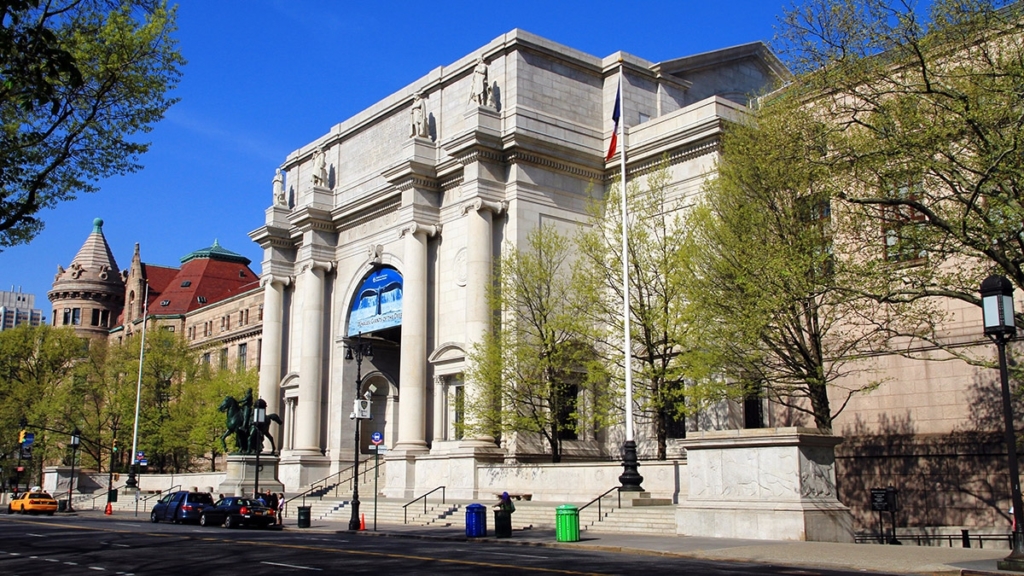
x: 208, y: 279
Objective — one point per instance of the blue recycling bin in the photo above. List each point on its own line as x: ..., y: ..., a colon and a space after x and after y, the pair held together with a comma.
x: 476, y: 521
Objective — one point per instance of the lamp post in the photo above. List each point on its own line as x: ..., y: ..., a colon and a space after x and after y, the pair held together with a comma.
x: 997, y: 311
x: 356, y: 351
x: 259, y: 417
x: 76, y: 440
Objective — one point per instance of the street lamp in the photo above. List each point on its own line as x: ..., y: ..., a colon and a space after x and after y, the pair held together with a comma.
x: 358, y: 351
x: 997, y: 311
x: 259, y: 417
x: 76, y: 440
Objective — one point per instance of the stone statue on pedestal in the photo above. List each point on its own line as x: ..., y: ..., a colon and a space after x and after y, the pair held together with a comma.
x: 241, y: 423
x: 280, y: 199
x: 480, y: 90
x: 418, y: 120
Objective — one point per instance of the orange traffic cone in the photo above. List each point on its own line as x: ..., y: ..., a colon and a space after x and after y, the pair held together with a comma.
x: 109, y: 510
x: 362, y: 521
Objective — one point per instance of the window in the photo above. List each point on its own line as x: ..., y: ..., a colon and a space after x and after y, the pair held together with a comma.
x: 459, y: 415
x: 76, y: 316
x: 261, y: 313
x: 165, y: 302
x: 67, y: 317
x: 223, y: 358
x: 186, y: 283
x: 95, y: 317
x: 206, y: 358
x: 201, y: 299
x: 169, y: 328
x: 243, y: 350
x: 564, y: 397
x: 816, y: 211
x: 902, y: 228
x: 105, y: 318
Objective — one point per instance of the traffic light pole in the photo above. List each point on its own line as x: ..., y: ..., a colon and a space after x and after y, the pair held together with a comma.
x: 110, y: 471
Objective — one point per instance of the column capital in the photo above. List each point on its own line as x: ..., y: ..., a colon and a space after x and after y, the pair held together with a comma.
x: 272, y: 279
x: 479, y: 204
x: 429, y: 230
x: 440, y: 380
x: 327, y: 266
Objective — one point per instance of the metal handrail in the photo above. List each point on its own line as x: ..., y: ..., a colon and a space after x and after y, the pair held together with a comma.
x: 600, y: 515
x: 323, y: 482
x: 405, y: 507
x: 92, y: 502
x: 174, y: 488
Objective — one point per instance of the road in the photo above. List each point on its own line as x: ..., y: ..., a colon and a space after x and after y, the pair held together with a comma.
x: 31, y: 546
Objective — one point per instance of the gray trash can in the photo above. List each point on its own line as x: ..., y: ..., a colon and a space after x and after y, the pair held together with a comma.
x: 62, y: 505
x: 476, y: 521
x: 304, y: 516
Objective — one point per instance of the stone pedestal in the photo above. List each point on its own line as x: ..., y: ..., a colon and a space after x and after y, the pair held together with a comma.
x: 771, y: 484
x: 241, y: 475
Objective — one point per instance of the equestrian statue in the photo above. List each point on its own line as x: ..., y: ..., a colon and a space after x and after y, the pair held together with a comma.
x: 241, y: 423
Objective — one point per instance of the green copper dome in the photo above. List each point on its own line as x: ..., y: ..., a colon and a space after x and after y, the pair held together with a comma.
x: 216, y: 252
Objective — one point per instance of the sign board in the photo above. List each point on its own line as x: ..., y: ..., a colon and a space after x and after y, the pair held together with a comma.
x: 378, y: 304
x: 378, y: 448
x: 143, y: 462
x: 30, y: 437
x: 879, y: 503
x: 377, y: 438
x: 362, y: 410
x: 140, y: 456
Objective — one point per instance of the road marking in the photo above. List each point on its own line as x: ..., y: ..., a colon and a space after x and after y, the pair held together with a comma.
x: 51, y: 560
x: 519, y: 556
x: 122, y: 545
x: 72, y: 563
x: 34, y: 535
x: 293, y: 566
x: 127, y: 524
x: 97, y: 568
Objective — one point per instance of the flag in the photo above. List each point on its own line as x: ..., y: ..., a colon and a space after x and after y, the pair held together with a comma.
x: 615, y: 121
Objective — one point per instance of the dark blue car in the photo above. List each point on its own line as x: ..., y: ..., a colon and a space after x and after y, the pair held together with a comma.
x: 182, y: 506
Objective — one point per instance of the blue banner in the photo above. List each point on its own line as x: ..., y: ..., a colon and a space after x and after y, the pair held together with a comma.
x: 378, y: 304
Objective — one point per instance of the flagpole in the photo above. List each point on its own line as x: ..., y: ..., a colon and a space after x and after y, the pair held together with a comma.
x: 132, y: 482
x: 630, y: 479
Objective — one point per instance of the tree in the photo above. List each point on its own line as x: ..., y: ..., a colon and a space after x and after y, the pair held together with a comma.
x: 78, y: 80
x: 670, y: 380
x: 40, y: 383
x: 765, y: 277
x: 537, y: 368
x: 925, y: 121
x: 206, y: 391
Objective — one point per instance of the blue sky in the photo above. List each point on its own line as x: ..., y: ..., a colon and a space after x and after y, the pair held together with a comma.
x: 265, y: 77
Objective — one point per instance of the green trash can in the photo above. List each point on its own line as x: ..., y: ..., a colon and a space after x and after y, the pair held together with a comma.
x: 567, y: 523
x: 304, y: 516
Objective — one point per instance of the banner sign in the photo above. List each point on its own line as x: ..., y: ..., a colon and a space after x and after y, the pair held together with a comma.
x: 378, y: 304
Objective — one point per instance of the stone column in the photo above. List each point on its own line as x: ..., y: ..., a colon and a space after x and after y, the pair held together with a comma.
x: 479, y: 275
x: 270, y: 354
x: 307, y: 414
x: 440, y: 403
x: 412, y: 374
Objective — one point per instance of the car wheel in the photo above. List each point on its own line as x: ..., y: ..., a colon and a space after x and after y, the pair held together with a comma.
x: 229, y: 522
x: 153, y: 517
x: 203, y: 521
x: 10, y: 510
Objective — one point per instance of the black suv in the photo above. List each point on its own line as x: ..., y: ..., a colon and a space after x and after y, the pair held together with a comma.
x: 182, y: 506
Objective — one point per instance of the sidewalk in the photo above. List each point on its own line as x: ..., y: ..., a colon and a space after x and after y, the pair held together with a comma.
x: 854, y: 557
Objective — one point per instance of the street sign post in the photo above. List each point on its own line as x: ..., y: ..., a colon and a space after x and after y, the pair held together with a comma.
x: 30, y: 437
x: 377, y: 438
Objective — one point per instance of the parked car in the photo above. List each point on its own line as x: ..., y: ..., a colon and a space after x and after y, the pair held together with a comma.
x: 33, y: 503
x: 237, y: 511
x: 181, y: 506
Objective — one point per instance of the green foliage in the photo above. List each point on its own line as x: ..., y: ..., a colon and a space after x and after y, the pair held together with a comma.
x: 78, y: 80
x: 670, y: 376
x: 923, y: 128
x: 778, y: 303
x: 536, y: 372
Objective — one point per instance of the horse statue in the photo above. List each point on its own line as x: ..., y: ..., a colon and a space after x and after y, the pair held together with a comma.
x: 239, y: 422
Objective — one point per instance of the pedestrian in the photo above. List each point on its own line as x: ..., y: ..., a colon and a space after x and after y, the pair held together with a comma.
x: 271, y: 500
x: 259, y: 498
x: 505, y: 504
x: 280, y: 508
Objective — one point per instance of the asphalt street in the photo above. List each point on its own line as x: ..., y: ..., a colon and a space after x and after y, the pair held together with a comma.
x: 82, y: 545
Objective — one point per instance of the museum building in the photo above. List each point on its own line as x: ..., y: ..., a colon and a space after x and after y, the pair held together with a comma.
x: 385, y: 230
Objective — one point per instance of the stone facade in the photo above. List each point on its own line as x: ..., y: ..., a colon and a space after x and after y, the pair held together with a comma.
x: 429, y: 184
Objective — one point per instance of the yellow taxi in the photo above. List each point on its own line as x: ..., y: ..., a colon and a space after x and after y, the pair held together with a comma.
x: 33, y: 503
